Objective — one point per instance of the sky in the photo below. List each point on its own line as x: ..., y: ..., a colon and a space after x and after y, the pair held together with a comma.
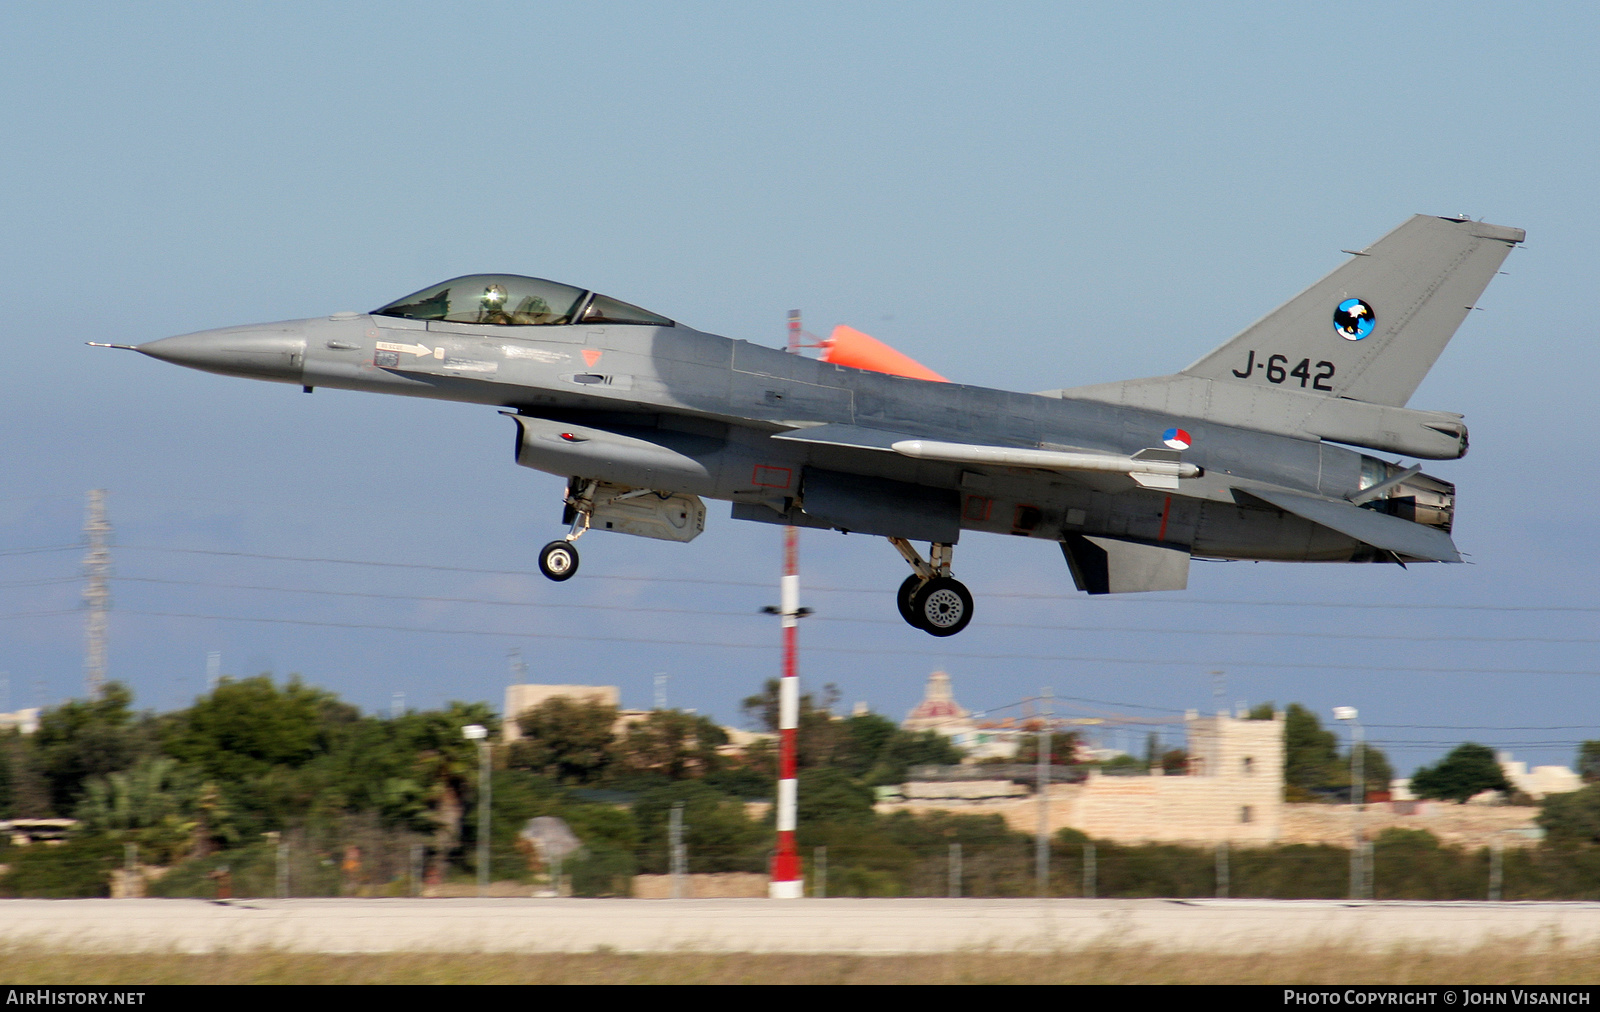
x: 1023, y: 196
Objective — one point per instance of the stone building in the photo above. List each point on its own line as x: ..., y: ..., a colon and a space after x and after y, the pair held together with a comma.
x: 1233, y: 792
x: 26, y: 721
x: 940, y: 712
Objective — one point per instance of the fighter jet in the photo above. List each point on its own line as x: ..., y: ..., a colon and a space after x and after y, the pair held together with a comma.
x: 1253, y: 452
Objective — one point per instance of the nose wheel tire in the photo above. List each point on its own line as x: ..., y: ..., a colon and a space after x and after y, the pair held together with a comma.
x: 558, y: 560
x: 942, y: 607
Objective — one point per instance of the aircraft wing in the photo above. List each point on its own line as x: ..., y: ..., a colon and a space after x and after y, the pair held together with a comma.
x: 1403, y: 537
x: 1152, y: 468
x: 856, y: 437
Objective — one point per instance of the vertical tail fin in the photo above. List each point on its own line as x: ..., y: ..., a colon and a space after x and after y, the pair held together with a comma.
x: 1372, y: 329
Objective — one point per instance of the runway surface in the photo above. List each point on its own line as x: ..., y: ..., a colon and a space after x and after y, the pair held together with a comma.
x: 795, y: 926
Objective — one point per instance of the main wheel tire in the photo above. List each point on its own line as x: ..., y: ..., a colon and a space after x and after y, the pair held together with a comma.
x: 943, y: 606
x: 902, y: 600
x: 558, y: 560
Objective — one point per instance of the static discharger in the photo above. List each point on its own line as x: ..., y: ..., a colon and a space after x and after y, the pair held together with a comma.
x: 849, y: 347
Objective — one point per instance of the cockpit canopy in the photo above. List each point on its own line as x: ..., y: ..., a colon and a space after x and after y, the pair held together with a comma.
x: 515, y: 301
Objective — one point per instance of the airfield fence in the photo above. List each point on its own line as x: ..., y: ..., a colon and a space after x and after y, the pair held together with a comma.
x: 406, y: 864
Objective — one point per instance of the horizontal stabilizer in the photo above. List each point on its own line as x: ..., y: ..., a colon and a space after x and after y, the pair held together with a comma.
x: 1115, y: 566
x: 1392, y: 534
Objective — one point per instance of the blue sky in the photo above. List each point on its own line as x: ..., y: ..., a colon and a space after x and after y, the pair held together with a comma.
x: 1023, y: 196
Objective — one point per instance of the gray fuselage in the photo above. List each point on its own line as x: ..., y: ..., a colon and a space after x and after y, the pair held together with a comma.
x: 673, y: 409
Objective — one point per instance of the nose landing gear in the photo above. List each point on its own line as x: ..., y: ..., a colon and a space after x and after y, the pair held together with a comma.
x: 930, y: 599
x: 559, y: 559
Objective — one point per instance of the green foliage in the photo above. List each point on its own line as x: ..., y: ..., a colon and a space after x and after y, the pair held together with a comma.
x: 830, y: 795
x: 746, y: 779
x: 872, y: 746
x: 1311, y: 755
x: 1261, y: 711
x: 23, y: 794
x: 1063, y: 749
x: 78, y: 868
x: 868, y: 746
x: 82, y: 739
x: 1123, y: 765
x: 1375, y: 768
x: 911, y: 748
x: 244, y: 728
x: 250, y: 871
x: 1572, y: 818
x: 516, y: 796
x: 1469, y: 769
x: 669, y: 745
x: 569, y: 740
x: 718, y: 833
x: 602, y: 871
x: 819, y: 738
x: 153, y: 805
x: 1589, y: 761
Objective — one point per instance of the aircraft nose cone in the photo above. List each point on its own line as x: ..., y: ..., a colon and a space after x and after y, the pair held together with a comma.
x: 274, y: 352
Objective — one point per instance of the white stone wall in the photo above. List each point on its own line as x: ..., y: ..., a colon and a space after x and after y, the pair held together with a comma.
x: 1234, y: 792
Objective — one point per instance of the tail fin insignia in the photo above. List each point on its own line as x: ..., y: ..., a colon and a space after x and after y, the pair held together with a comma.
x: 1394, y: 306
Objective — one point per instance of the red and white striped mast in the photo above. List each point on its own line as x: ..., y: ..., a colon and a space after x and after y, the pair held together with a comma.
x: 786, y: 881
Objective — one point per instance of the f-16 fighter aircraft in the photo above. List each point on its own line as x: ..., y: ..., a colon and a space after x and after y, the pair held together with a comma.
x: 1246, y: 454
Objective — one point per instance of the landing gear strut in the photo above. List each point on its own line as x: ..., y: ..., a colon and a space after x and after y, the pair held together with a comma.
x: 930, y: 599
x: 559, y: 559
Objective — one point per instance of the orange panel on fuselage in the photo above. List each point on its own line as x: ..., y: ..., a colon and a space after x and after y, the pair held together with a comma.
x: 848, y: 346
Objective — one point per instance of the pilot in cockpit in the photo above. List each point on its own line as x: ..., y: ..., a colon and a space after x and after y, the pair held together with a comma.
x: 492, y: 305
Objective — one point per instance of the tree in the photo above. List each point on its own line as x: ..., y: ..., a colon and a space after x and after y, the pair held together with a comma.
x: 828, y: 795
x: 671, y: 745
x: 717, y: 833
x: 152, y: 804
x: 1311, y: 756
x: 244, y: 728
x: 868, y: 741
x: 86, y: 738
x: 1572, y: 817
x: 820, y: 735
x: 1589, y: 761
x: 566, y: 739
x: 23, y: 794
x: 1375, y: 768
x: 447, y: 763
x: 1470, y: 768
x: 1063, y: 749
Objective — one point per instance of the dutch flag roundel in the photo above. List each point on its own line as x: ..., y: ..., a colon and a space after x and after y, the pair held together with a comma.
x: 1176, y: 438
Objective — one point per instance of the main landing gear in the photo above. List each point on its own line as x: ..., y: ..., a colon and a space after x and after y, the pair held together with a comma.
x: 930, y: 599
x: 559, y: 559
